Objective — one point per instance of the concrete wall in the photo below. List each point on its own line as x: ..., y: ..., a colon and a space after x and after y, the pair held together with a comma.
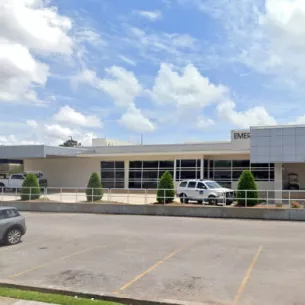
x: 65, y: 172
x: 161, y: 210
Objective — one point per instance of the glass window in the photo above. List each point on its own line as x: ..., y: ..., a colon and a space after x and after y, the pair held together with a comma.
x: 222, y: 163
x: 261, y: 175
x: 2, y: 216
x: 119, y: 175
x: 150, y: 185
x: 192, y: 184
x: 11, y: 213
x: 119, y: 164
x: 150, y: 164
x: 241, y: 163
x: 188, y: 163
x: 272, y: 175
x: 183, y: 184
x: 17, y: 177
x: 201, y: 185
x: 150, y: 174
x: 184, y: 175
x: 135, y: 175
x: 167, y: 164
x: 259, y: 165
x: 135, y: 164
x: 212, y: 185
x: 222, y: 175
x: 236, y: 175
x: 135, y: 184
x: 106, y: 164
x: 107, y: 175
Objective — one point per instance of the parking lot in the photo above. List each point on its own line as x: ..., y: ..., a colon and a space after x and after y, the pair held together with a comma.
x: 210, y: 261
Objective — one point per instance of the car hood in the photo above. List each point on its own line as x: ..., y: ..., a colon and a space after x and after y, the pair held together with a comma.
x: 222, y: 189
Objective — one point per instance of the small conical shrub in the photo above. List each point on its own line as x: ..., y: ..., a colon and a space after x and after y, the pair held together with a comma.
x: 247, y: 182
x: 94, y: 189
x: 30, y: 188
x: 166, y: 192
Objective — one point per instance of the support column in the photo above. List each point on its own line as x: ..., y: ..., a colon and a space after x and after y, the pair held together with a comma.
x: 278, y: 181
x: 126, y: 177
x: 202, y: 168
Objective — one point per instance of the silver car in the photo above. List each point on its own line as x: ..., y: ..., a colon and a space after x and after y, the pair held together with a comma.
x: 12, y: 225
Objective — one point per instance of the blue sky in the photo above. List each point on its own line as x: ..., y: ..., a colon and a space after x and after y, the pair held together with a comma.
x: 172, y: 70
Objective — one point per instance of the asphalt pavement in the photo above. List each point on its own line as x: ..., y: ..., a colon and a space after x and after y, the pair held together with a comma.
x: 208, y: 261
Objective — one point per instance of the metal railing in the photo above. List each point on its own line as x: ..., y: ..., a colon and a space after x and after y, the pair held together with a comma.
x: 266, y: 198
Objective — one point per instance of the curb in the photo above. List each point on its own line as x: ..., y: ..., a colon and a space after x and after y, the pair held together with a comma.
x: 103, y: 297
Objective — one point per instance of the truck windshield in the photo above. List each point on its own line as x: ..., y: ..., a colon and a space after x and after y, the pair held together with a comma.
x: 212, y: 185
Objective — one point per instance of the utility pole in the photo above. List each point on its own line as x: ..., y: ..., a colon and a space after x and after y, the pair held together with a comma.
x: 141, y: 139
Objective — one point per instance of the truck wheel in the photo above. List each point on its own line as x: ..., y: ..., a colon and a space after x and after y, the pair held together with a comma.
x: 200, y: 201
x: 2, y: 187
x: 212, y: 200
x: 183, y: 199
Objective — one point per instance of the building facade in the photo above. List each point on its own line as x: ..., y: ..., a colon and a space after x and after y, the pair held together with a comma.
x: 271, y: 153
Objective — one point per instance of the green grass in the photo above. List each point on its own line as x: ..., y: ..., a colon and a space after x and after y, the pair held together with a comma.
x: 49, y: 298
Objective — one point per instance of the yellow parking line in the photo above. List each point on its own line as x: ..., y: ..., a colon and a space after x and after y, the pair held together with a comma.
x: 149, y: 270
x: 103, y: 246
x: 247, y: 276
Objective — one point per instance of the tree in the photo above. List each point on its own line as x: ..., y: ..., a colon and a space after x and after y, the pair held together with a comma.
x: 70, y: 143
x: 94, y: 189
x: 247, y: 182
x: 30, y: 188
x: 166, y: 192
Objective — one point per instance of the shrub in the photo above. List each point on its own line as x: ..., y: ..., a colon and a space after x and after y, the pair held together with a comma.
x: 279, y: 205
x: 30, y: 188
x: 166, y: 192
x: 295, y: 205
x: 94, y: 189
x: 247, y: 182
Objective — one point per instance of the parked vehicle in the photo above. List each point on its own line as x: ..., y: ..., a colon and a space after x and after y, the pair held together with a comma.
x: 12, y: 225
x: 15, y: 181
x: 204, y: 191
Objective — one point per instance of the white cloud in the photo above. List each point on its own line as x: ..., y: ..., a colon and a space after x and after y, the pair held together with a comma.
x: 67, y: 114
x: 203, y: 123
x: 127, y: 60
x: 29, y: 27
x: 256, y: 116
x: 189, y: 88
x: 121, y: 85
x: 135, y: 121
x: 32, y: 123
x: 150, y: 15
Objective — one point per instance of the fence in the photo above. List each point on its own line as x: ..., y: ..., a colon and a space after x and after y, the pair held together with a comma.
x: 267, y: 198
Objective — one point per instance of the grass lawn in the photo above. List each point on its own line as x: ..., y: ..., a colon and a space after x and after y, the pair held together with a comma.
x: 49, y: 298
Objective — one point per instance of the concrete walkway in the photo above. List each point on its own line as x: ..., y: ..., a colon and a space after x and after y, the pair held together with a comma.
x: 8, y: 301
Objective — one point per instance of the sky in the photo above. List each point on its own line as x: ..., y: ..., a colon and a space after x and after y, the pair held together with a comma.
x: 173, y: 71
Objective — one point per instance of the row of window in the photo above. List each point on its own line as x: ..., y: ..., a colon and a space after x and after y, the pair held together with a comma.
x: 146, y: 174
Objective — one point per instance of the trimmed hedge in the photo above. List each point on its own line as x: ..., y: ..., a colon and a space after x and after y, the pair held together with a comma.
x: 166, y: 192
x: 30, y: 188
x: 247, y: 182
x: 94, y: 189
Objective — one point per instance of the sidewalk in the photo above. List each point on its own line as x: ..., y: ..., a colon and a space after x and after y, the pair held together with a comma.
x: 7, y: 301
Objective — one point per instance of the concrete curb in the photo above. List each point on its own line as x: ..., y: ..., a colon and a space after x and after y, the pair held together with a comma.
x: 162, y: 210
x: 103, y: 297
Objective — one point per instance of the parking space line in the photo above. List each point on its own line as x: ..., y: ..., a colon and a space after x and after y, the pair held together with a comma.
x: 138, y: 277
x: 102, y: 246
x: 247, y: 276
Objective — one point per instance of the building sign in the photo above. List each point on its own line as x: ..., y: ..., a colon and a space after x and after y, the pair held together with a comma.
x: 240, y: 138
x: 241, y: 135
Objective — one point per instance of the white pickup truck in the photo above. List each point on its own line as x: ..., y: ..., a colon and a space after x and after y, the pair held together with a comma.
x: 15, y: 181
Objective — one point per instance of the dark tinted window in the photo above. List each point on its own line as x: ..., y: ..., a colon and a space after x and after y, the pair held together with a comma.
x: 183, y: 184
x: 19, y: 177
x: 166, y: 164
x: 135, y: 164
x: 188, y: 163
x: 2, y: 215
x: 106, y: 165
x: 201, y: 185
x: 11, y: 213
x: 150, y: 164
x: 192, y: 184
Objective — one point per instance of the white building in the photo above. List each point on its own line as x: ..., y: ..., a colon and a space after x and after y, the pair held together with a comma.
x: 270, y: 152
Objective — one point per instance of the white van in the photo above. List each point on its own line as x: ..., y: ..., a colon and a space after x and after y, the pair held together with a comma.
x: 204, y: 191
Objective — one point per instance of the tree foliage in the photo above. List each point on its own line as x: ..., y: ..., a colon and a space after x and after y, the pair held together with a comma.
x: 166, y: 192
x: 30, y: 188
x: 94, y: 189
x: 247, y: 183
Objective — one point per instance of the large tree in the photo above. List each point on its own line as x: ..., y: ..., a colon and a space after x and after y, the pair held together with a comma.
x: 71, y: 143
